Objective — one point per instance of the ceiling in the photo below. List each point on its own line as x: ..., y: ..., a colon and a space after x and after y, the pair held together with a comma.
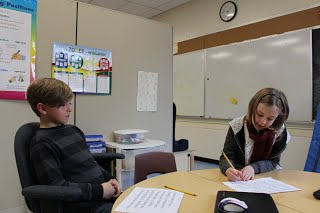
x: 144, y: 8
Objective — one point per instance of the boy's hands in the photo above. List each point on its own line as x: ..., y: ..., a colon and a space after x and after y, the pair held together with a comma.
x: 233, y: 174
x: 111, y: 189
x: 116, y: 186
x: 247, y: 173
x: 108, y: 190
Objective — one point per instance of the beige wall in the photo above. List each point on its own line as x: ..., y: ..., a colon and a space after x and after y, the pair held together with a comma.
x: 15, y: 113
x: 201, y: 17
x: 137, y: 45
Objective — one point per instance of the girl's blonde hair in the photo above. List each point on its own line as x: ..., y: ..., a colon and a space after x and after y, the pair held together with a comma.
x: 269, y: 97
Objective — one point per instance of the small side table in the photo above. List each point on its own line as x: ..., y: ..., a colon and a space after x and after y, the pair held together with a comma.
x: 130, y: 150
x: 184, y: 160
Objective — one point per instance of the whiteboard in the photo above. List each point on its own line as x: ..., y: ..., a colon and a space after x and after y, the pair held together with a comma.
x: 234, y: 73
x: 188, y: 83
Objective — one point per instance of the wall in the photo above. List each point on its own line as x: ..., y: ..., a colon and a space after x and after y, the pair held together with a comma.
x: 188, y: 22
x: 136, y: 44
x: 15, y: 113
x: 207, y: 136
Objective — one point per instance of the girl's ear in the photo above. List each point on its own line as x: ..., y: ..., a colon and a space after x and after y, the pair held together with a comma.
x: 41, y: 108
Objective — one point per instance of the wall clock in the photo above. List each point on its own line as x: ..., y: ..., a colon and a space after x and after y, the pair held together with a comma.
x: 228, y: 11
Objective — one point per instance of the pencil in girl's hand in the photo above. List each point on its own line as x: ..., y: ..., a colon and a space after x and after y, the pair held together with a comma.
x: 225, y: 156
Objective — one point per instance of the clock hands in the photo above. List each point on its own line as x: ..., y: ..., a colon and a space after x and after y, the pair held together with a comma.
x: 226, y: 11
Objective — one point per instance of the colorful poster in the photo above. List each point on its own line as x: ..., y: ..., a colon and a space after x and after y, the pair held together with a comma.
x: 17, y: 47
x: 85, y: 70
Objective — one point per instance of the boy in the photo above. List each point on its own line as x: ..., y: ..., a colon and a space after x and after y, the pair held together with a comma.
x: 59, y: 153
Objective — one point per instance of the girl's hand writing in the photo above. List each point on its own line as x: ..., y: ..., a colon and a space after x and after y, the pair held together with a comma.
x: 233, y: 174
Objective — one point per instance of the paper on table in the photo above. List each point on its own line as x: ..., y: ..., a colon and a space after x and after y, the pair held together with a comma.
x: 262, y: 185
x: 151, y: 200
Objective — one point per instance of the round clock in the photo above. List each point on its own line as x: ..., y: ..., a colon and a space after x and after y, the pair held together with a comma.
x: 228, y: 11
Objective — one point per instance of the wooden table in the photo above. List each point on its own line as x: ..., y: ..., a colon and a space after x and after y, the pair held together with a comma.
x: 206, y: 183
x: 301, y: 201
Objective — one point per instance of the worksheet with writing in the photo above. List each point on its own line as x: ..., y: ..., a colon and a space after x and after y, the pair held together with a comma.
x: 262, y: 185
x: 151, y: 200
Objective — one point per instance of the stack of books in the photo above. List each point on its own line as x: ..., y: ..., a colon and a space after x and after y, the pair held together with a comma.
x: 96, y: 143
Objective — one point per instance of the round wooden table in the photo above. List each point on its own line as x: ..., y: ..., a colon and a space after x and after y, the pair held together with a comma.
x: 206, y: 184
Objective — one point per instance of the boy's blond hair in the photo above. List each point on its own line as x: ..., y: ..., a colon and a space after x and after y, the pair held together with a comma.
x: 49, y: 91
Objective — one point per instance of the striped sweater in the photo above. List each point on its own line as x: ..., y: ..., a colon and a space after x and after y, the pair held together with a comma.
x: 61, y: 157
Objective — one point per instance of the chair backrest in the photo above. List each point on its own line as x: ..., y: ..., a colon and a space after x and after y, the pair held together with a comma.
x: 313, y: 158
x: 153, y: 162
x: 174, y: 112
x: 177, y: 145
x: 26, y: 172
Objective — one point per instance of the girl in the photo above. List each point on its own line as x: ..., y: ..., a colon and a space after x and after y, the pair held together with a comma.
x: 254, y: 142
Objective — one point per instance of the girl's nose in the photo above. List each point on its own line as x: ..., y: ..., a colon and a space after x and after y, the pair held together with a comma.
x: 262, y: 122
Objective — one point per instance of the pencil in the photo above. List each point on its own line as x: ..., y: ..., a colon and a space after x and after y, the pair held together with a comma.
x: 179, y: 190
x: 225, y: 156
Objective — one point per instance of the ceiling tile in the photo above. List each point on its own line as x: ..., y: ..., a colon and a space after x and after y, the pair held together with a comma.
x: 145, y: 8
x: 84, y: 1
x: 150, y: 13
x: 150, y: 3
x: 111, y: 4
x: 133, y: 8
x: 171, y: 4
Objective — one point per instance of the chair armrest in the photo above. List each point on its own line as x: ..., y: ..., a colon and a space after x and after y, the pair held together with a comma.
x: 46, y: 192
x: 107, y: 156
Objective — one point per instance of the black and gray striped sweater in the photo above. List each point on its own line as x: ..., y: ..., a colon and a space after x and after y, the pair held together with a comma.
x: 61, y: 157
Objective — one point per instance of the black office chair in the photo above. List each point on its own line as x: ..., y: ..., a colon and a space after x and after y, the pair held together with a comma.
x: 178, y: 145
x: 44, y: 198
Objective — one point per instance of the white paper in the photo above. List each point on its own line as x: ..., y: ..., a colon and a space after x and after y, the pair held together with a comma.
x: 76, y: 82
x: 147, y: 97
x: 103, y: 84
x: 262, y: 185
x: 151, y: 200
x: 90, y: 84
x: 62, y: 76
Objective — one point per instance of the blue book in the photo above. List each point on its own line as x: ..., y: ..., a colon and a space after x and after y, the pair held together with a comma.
x: 94, y: 138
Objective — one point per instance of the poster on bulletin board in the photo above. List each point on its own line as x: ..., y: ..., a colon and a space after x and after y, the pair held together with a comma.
x: 85, y: 70
x: 17, y: 47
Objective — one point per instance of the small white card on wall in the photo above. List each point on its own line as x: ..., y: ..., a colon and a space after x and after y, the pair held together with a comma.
x: 147, y: 97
